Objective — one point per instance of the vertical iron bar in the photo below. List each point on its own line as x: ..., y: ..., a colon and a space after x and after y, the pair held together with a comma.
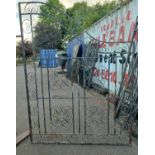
x: 73, y: 109
x: 79, y: 101
x: 31, y: 32
x: 35, y: 74
x: 37, y: 97
x: 115, y: 95
x: 130, y: 132
x: 108, y: 92
x: 73, y: 105
x: 42, y: 89
x: 84, y: 84
x: 121, y: 128
x: 25, y: 71
x: 122, y: 71
x: 49, y: 94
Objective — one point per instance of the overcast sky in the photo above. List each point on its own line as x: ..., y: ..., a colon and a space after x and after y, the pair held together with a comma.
x: 69, y: 3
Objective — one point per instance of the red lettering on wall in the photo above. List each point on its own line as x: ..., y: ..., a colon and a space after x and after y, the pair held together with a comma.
x: 128, y: 17
x: 121, y: 34
x: 108, y: 27
x: 98, y: 73
x: 112, y: 38
x: 104, y: 40
x: 132, y: 27
x: 107, y: 75
x: 126, y: 78
x: 103, y: 74
x: 100, y: 44
x: 94, y: 72
x: 113, y: 77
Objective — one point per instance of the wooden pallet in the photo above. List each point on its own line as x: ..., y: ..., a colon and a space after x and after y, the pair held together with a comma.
x: 22, y: 137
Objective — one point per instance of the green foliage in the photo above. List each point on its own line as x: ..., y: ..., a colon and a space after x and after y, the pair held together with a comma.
x: 49, y: 31
x: 18, y: 51
x: 75, y: 20
x: 28, y: 49
x: 47, y: 36
x: 84, y: 16
x: 19, y: 61
x: 79, y: 14
x: 52, y: 12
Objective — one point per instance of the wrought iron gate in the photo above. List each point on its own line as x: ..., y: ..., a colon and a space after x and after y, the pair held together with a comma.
x: 68, y: 109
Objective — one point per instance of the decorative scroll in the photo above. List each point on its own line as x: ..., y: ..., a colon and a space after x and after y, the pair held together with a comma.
x: 27, y: 26
x: 31, y: 8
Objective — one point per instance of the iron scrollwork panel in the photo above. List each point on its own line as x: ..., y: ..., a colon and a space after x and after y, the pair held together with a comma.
x: 62, y: 119
x: 57, y: 80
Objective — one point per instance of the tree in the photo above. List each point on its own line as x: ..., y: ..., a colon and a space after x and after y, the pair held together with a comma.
x: 75, y: 20
x: 79, y: 16
x: 47, y: 36
x: 84, y: 16
x: 27, y: 47
x: 52, y: 13
x: 18, y: 51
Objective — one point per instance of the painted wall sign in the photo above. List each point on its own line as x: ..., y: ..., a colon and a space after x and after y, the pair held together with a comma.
x: 117, y: 28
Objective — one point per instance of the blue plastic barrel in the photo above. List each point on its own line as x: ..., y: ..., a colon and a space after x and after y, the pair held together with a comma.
x: 53, y: 61
x: 43, y: 58
x: 48, y: 58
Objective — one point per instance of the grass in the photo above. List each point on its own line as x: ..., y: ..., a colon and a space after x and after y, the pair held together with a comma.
x: 29, y: 60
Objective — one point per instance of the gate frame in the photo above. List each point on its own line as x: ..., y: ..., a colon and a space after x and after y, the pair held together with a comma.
x: 24, y: 59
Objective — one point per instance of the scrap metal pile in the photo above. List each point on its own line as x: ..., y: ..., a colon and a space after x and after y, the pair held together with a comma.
x: 127, y: 103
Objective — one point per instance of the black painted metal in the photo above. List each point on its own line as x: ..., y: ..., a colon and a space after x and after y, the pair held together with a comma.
x: 79, y: 103
x: 108, y: 95
x: 36, y: 84
x: 25, y: 70
x: 68, y: 109
x: 49, y: 94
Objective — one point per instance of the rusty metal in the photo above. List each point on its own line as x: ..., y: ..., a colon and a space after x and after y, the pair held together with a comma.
x: 127, y: 103
x: 66, y: 108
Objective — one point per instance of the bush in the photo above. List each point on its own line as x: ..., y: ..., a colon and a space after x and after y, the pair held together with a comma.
x: 28, y: 49
x: 18, y: 51
x: 47, y: 37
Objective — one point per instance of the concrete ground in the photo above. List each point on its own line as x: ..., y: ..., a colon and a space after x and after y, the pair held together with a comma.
x: 26, y: 148
x: 21, y: 104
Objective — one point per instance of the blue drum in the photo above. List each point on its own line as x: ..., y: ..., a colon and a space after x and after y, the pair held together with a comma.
x: 48, y: 58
